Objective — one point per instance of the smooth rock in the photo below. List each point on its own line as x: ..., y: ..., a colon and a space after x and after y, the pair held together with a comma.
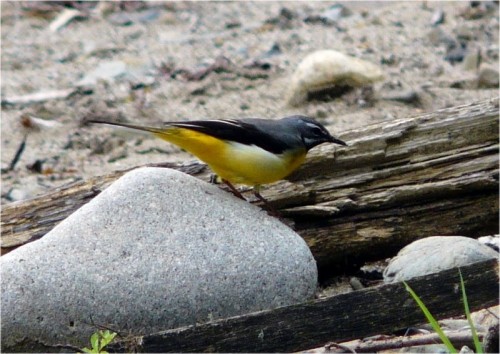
x: 327, y: 69
x: 434, y: 254
x: 466, y: 350
x: 438, y: 18
x: 472, y: 60
x: 487, y: 77
x: 158, y: 249
x: 16, y: 194
x: 492, y: 242
x: 408, y: 96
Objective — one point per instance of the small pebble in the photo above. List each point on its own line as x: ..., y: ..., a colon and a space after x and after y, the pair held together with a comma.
x: 455, y: 52
x: 487, y: 77
x: 491, y: 241
x: 472, y: 60
x: 438, y: 18
x: 356, y: 284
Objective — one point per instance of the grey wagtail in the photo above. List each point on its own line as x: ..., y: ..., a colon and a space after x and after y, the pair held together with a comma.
x: 247, y: 151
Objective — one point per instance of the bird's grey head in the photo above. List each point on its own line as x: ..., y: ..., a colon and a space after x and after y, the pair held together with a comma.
x: 311, y: 132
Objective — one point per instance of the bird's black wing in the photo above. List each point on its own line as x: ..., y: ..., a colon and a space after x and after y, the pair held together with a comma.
x: 259, y: 132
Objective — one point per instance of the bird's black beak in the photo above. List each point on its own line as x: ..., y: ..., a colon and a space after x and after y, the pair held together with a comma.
x: 337, y: 141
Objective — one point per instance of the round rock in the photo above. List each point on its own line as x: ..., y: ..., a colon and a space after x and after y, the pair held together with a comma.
x: 434, y: 254
x: 488, y: 77
x: 325, y: 69
x: 156, y: 250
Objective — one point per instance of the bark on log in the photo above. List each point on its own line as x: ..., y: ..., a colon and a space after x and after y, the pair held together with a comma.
x: 398, y: 181
x: 339, y: 318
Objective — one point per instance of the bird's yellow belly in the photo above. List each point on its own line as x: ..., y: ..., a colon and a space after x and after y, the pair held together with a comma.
x: 252, y: 165
x: 235, y: 162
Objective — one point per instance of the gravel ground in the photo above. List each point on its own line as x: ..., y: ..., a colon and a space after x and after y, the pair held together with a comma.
x: 146, y: 43
x: 426, y: 66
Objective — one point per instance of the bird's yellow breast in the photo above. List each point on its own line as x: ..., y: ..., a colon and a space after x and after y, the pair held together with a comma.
x: 235, y: 162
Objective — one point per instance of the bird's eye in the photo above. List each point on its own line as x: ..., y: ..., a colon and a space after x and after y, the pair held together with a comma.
x: 317, y: 131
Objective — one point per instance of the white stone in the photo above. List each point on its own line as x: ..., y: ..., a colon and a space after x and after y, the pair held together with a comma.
x: 156, y: 250
x: 434, y: 254
x: 326, y: 69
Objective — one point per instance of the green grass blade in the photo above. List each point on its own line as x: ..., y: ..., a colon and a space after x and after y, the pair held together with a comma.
x: 477, y: 343
x: 432, y: 321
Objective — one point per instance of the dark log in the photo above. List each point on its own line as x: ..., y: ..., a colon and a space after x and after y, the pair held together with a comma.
x: 398, y: 181
x: 339, y: 318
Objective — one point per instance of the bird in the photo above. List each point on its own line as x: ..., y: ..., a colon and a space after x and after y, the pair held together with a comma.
x: 247, y: 151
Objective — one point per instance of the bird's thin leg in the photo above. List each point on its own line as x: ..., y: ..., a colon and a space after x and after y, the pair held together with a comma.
x: 270, y: 210
x: 234, y: 190
x: 256, y: 189
x: 260, y: 197
x: 214, y: 179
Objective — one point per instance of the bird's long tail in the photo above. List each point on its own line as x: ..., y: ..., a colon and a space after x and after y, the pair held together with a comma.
x: 153, y: 130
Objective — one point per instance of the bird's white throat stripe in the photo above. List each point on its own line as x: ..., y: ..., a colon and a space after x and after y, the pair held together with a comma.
x: 312, y: 125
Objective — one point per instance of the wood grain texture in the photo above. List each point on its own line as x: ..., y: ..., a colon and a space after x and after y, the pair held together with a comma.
x: 398, y: 181
x: 339, y: 318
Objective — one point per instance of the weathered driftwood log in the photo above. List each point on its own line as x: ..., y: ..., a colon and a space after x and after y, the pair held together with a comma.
x: 377, y: 310
x: 398, y: 181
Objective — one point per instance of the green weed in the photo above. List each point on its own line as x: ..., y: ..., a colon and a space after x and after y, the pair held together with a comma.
x: 98, y: 341
x: 435, y: 325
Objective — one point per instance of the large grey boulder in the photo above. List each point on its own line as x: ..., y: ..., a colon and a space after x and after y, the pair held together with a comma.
x: 434, y: 254
x: 156, y: 250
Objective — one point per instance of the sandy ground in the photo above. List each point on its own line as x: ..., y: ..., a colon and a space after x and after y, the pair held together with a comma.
x: 162, y: 37
x: 397, y: 36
